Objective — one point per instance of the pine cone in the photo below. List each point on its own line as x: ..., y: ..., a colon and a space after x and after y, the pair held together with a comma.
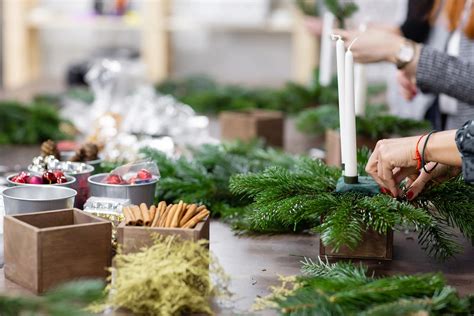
x: 87, y: 152
x: 48, y: 148
x: 91, y: 151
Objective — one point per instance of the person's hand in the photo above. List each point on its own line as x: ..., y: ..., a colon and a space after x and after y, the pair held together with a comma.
x: 407, y: 85
x: 314, y: 25
x: 438, y: 173
x: 372, y: 45
x: 392, y: 161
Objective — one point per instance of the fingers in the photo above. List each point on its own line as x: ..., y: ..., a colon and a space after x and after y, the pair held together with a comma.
x: 372, y: 167
x: 408, y: 88
x: 402, y: 173
x: 418, y: 185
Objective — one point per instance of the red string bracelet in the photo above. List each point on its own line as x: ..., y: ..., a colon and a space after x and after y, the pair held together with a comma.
x: 418, y: 157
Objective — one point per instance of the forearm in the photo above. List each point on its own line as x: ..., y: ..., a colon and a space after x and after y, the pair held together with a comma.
x: 442, y: 148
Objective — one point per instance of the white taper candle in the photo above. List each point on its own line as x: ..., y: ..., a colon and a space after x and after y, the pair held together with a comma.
x: 360, y: 83
x: 360, y: 89
x: 340, y: 52
x: 350, y: 140
x: 326, y: 52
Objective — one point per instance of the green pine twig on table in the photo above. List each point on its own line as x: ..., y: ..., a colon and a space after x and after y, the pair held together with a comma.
x: 347, y: 289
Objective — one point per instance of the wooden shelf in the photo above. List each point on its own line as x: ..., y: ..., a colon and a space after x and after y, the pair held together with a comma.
x: 23, y: 21
x: 61, y: 22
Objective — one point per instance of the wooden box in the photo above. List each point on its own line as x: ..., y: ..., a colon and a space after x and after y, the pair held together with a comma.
x: 373, y: 246
x: 333, y: 146
x: 133, y: 238
x: 253, y: 124
x: 45, y: 249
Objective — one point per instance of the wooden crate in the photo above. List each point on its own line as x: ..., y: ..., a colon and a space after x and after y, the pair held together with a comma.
x: 333, y: 146
x: 373, y: 246
x: 45, y: 249
x: 133, y: 238
x: 252, y: 124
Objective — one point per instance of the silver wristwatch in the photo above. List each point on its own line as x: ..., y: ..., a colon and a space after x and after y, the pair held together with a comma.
x: 405, y: 54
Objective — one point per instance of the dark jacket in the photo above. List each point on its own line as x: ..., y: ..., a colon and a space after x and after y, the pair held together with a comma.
x: 465, y: 142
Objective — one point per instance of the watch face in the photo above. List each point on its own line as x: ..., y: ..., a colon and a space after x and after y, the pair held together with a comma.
x: 406, y: 53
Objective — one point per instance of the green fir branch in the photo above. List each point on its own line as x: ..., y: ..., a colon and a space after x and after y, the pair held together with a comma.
x: 346, y: 289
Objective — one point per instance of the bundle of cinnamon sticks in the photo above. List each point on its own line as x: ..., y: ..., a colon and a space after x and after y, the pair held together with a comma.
x: 181, y: 215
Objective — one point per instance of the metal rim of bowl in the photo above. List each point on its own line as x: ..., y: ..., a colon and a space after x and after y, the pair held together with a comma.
x: 92, y: 180
x: 72, y: 191
x: 71, y: 180
x: 90, y: 169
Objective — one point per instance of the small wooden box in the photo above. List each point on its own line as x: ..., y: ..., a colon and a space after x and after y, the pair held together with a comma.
x: 45, y: 249
x: 373, y: 246
x: 253, y: 124
x: 133, y: 238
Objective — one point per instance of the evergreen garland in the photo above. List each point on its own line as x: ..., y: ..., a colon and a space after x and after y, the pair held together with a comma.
x: 294, y: 200
x: 376, y: 124
x: 346, y: 289
x: 205, y: 178
x: 206, y: 96
x: 29, y: 123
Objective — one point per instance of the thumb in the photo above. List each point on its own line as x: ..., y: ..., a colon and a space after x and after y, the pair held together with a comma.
x: 418, y: 185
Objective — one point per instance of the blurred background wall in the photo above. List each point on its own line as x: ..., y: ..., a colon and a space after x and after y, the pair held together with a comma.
x: 237, y: 41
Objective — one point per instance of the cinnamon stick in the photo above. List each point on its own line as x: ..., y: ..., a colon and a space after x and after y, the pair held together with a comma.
x: 145, y: 214
x: 137, y: 214
x: 196, y: 219
x: 177, y: 215
x: 129, y: 219
x: 152, y: 213
x: 190, y: 212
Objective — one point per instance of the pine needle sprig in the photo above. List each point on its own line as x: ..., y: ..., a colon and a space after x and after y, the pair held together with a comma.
x: 344, y: 288
x: 340, y: 270
x: 453, y: 200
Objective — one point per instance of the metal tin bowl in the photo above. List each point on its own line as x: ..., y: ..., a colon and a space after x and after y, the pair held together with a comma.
x: 37, y: 198
x: 137, y: 193
x: 81, y: 185
x: 69, y: 184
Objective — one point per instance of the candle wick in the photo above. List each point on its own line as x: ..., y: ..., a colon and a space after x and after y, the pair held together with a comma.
x: 352, y: 43
x: 336, y: 37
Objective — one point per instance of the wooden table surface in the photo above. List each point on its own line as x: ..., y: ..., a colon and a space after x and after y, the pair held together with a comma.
x: 254, y: 264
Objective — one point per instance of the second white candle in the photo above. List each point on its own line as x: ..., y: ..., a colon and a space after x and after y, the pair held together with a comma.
x: 349, y: 131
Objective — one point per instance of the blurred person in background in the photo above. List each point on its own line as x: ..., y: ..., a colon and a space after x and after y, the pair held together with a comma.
x: 448, y: 71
